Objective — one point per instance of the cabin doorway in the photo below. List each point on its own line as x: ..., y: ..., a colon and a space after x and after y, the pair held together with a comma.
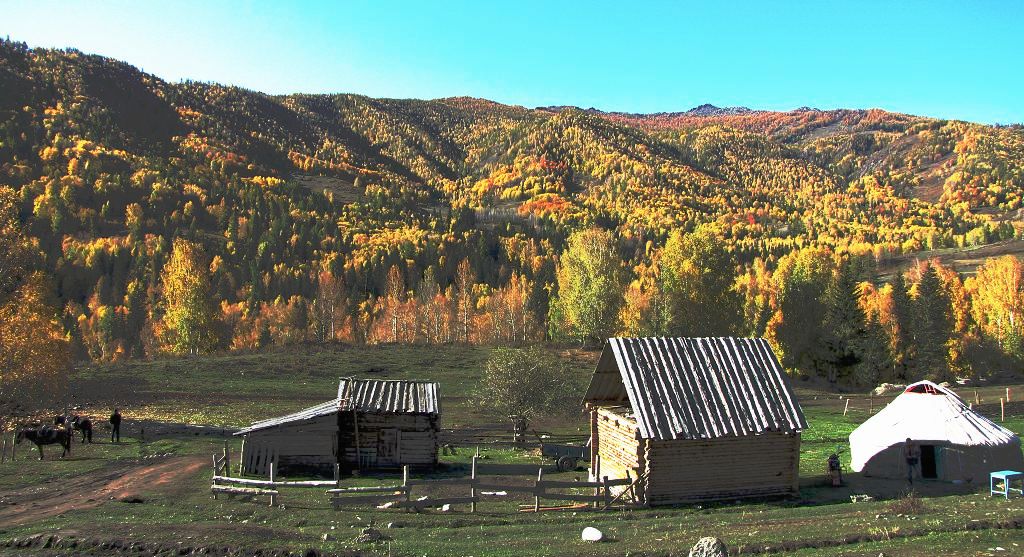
x: 929, y: 470
x: 387, y: 447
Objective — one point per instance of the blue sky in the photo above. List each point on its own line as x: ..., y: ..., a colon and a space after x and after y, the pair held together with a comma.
x: 948, y: 59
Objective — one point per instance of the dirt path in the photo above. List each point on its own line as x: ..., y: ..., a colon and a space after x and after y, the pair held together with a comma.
x: 116, y: 481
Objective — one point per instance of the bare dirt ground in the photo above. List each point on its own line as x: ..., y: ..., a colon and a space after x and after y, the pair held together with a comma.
x: 119, y: 480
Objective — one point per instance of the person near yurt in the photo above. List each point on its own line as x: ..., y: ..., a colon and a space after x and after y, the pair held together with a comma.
x: 954, y: 442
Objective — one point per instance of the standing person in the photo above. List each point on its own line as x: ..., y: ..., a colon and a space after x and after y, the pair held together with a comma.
x: 115, y: 429
x: 912, y: 452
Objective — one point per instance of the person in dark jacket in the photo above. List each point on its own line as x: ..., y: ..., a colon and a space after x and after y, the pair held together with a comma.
x: 115, y: 426
x: 912, y: 452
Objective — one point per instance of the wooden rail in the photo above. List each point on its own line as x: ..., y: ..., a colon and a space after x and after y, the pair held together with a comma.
x: 400, y: 495
x: 223, y: 483
x: 275, y: 483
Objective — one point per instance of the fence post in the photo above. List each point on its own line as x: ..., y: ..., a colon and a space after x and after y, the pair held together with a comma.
x: 1007, y: 394
x: 607, y: 496
x: 14, y: 443
x: 847, y: 408
x: 1002, y: 410
x: 227, y: 458
x: 472, y: 487
x: 405, y: 487
x: 337, y: 475
x: 537, y: 490
x: 977, y: 399
x: 214, y: 480
x: 3, y: 447
x: 241, y: 459
x: 632, y: 488
x: 273, y: 498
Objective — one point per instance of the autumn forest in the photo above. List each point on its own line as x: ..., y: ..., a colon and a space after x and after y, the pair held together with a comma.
x: 140, y: 217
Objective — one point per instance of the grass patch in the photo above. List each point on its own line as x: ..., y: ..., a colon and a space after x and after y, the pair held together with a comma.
x: 909, y: 504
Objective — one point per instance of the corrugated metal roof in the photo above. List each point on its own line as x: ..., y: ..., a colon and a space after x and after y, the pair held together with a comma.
x: 697, y: 388
x: 377, y: 395
x: 324, y: 409
x: 367, y: 395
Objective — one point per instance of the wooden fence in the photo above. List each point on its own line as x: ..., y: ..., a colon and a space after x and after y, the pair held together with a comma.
x: 400, y: 496
x: 500, y: 435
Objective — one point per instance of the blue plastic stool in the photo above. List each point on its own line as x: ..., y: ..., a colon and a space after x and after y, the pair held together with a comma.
x: 1006, y: 476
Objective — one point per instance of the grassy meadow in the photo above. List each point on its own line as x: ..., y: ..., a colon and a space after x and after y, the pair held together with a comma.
x: 156, y: 491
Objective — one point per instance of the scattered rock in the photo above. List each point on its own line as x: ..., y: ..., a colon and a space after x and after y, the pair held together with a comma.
x: 709, y: 547
x: 446, y: 508
x: 327, y: 537
x: 591, y: 534
x: 370, y: 535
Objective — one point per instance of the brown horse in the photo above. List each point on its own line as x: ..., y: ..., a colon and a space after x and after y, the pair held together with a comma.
x: 47, y: 435
x: 77, y: 423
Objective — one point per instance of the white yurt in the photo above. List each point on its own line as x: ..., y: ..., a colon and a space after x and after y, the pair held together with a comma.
x: 957, y: 443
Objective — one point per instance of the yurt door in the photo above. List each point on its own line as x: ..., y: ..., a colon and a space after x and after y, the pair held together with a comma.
x: 929, y: 470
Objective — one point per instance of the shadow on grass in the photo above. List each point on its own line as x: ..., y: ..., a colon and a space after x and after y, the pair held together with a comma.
x: 817, y: 490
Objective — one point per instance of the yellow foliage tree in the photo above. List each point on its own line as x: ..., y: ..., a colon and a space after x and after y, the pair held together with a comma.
x: 997, y: 302
x: 188, y: 318
x: 34, y: 356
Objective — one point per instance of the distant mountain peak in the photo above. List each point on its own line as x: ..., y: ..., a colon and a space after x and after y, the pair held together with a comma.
x: 707, y: 109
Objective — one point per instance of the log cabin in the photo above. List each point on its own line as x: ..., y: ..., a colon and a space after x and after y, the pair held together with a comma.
x: 371, y: 424
x: 694, y: 419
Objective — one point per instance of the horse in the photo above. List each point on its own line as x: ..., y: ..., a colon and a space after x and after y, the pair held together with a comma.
x: 47, y: 435
x: 78, y: 423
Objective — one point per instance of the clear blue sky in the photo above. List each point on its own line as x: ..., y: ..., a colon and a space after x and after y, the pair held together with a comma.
x: 949, y: 59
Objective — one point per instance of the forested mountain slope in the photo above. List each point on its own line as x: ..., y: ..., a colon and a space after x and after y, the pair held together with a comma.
x: 457, y: 205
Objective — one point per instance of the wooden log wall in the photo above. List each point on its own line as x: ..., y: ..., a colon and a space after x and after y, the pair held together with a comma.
x: 417, y: 439
x: 618, y: 446
x: 318, y: 443
x: 732, y: 467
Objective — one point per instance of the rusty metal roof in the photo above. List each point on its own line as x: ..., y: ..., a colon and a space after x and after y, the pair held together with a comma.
x: 378, y: 395
x: 697, y: 388
x: 366, y: 395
